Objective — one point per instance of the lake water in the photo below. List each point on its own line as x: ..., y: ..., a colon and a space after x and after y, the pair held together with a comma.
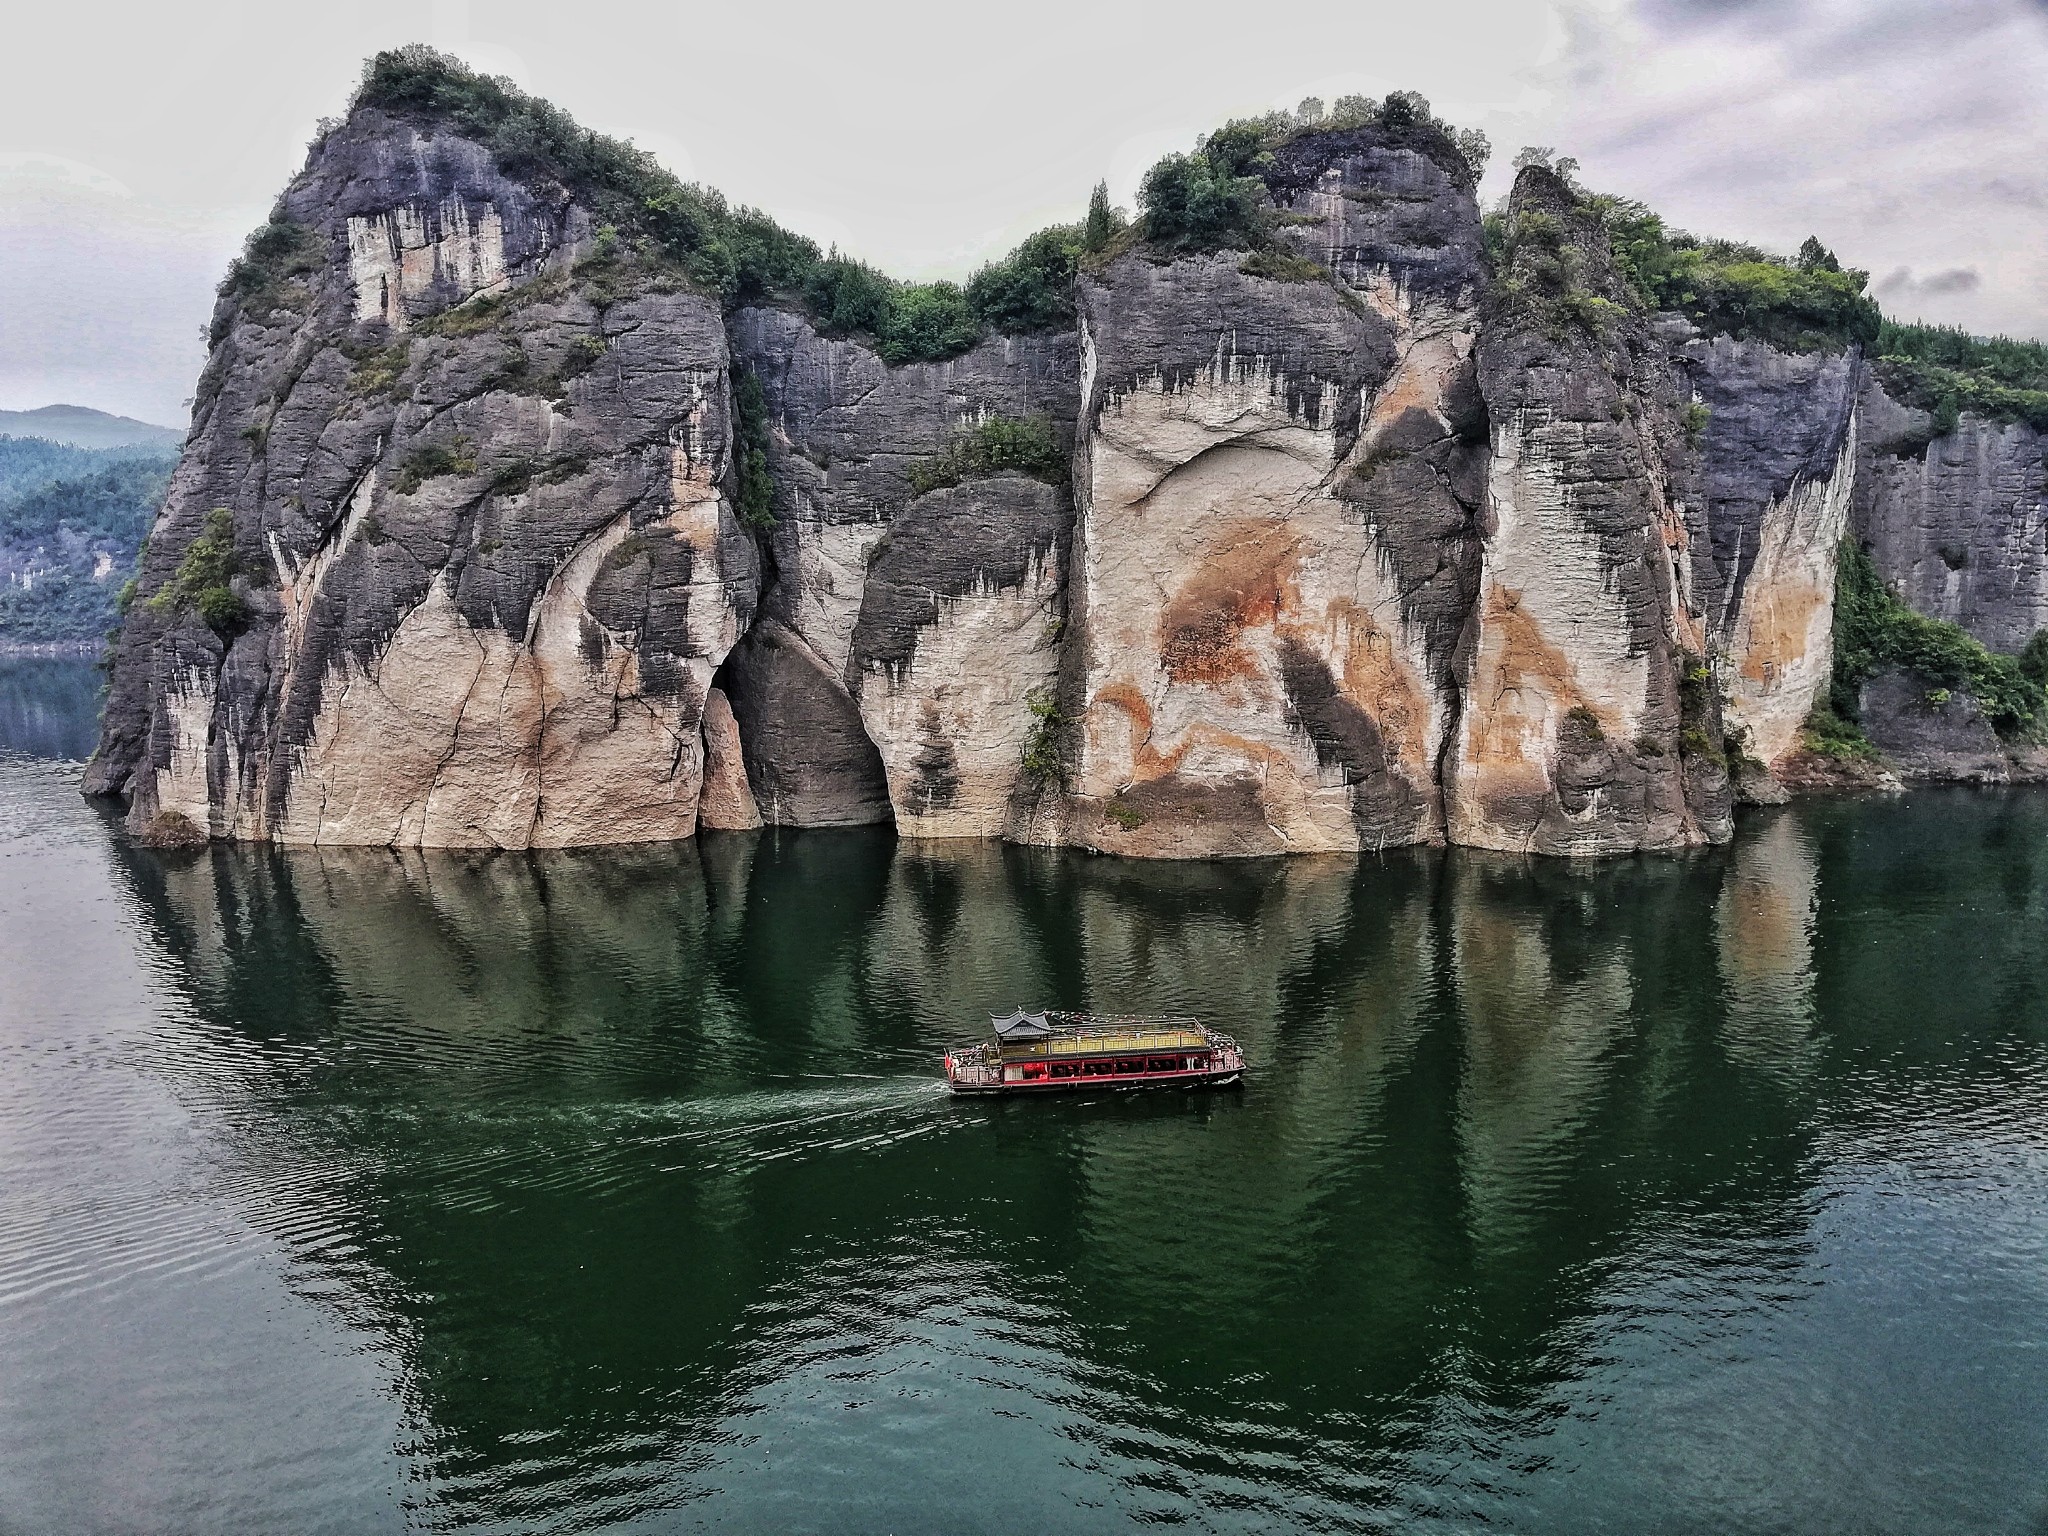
x: 359, y: 1191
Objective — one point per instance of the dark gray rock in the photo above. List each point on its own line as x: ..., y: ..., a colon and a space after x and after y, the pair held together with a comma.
x: 809, y: 761
x: 1958, y: 525
x: 950, y: 542
x: 848, y: 426
x: 1381, y: 199
x: 1774, y: 421
x: 1932, y: 735
x: 1170, y: 322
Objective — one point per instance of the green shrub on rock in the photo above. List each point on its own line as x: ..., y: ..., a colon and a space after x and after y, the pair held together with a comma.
x: 1726, y: 287
x: 1028, y: 445
x: 431, y: 461
x: 1874, y: 629
x: 750, y: 451
x: 268, y: 274
x: 1042, y: 758
x: 203, y: 579
x: 1827, y: 734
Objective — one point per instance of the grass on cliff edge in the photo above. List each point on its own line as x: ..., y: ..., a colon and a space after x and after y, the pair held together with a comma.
x: 1807, y: 303
x: 738, y: 254
x: 1946, y: 370
x: 1724, y: 287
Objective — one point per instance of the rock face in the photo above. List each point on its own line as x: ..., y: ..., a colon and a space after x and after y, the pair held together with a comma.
x: 1584, y: 730
x: 487, y: 565
x: 1778, y: 457
x: 1932, y: 734
x: 1958, y: 525
x: 1277, y: 483
x: 728, y: 802
x: 933, y: 619
x: 1367, y: 538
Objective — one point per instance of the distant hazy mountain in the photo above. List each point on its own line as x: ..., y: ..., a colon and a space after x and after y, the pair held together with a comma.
x: 83, y: 427
x: 71, y: 520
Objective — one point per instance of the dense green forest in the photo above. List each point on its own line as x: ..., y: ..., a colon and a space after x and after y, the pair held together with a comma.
x: 29, y: 463
x: 1947, y: 371
x: 71, y: 523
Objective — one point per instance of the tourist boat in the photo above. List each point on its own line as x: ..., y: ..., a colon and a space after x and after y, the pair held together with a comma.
x: 1055, y: 1052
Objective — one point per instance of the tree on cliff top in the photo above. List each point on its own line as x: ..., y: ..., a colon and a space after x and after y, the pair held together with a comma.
x: 1214, y: 197
x: 1201, y: 202
x: 1946, y: 370
x: 1727, y: 287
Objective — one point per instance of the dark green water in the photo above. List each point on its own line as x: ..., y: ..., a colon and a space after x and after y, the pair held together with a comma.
x: 49, y: 706
x: 352, y: 1191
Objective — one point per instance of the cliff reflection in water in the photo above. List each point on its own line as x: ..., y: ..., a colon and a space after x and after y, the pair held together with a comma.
x: 643, y: 1167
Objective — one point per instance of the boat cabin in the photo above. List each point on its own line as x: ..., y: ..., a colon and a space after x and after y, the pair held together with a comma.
x: 1040, y: 1051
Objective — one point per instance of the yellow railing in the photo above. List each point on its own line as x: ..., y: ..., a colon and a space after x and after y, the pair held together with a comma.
x: 1108, y: 1041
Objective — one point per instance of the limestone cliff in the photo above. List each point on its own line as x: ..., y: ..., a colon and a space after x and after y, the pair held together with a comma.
x: 473, y: 488
x: 1958, y: 523
x: 1778, y: 457
x: 1277, y: 483
x: 1584, y: 730
x: 532, y: 500
x: 921, y: 619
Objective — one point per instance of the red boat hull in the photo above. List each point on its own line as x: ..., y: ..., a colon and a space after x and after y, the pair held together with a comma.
x: 973, y: 1072
x: 1232, y: 1077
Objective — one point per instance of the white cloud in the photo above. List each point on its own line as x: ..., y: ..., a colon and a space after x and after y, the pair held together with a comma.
x: 1905, y: 134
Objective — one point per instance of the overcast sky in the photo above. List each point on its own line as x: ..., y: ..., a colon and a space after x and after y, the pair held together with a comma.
x: 139, y: 142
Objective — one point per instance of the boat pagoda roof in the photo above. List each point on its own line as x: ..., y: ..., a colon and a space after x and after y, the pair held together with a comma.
x: 1019, y: 1025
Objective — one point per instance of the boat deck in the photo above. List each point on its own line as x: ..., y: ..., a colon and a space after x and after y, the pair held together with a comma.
x: 1099, y: 1053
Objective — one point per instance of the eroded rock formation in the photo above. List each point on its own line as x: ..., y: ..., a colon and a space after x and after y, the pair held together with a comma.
x: 1581, y: 733
x: 1370, y: 537
x: 1957, y: 523
x: 1278, y: 482
x: 487, y: 565
x: 930, y: 619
